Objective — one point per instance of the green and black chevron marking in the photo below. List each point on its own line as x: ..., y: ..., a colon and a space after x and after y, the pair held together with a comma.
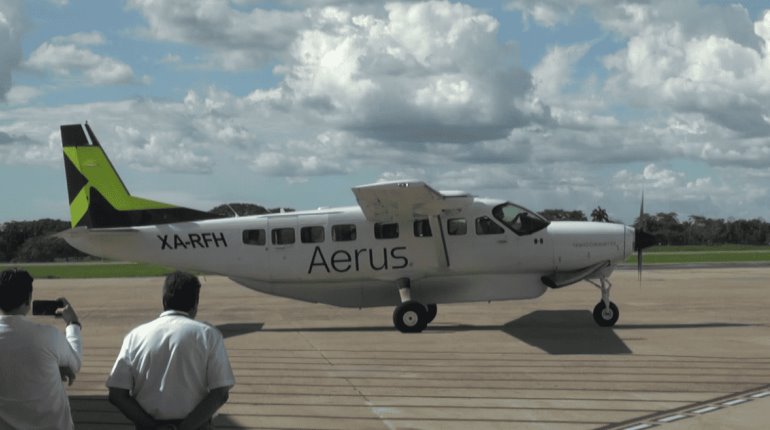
x: 98, y: 198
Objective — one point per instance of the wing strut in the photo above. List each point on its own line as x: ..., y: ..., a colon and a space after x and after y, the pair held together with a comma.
x: 444, y: 250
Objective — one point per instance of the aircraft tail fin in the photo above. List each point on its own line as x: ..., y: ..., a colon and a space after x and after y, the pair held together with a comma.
x: 99, y: 198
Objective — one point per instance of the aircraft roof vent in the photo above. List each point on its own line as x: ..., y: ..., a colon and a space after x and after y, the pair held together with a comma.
x: 454, y: 193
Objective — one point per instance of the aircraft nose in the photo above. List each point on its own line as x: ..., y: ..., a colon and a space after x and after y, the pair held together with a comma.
x: 643, y: 240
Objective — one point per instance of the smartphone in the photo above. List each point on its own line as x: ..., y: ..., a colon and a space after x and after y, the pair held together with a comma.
x: 46, y: 307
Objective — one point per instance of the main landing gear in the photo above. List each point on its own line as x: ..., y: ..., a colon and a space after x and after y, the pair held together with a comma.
x: 606, y: 314
x: 411, y: 316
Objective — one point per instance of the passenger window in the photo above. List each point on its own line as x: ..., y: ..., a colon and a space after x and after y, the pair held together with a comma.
x: 456, y: 226
x: 484, y: 225
x: 254, y: 237
x: 283, y: 236
x: 344, y: 232
x: 311, y: 234
x: 386, y: 231
x: 422, y: 228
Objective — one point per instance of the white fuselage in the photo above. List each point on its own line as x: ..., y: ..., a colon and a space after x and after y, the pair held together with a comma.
x: 336, y: 258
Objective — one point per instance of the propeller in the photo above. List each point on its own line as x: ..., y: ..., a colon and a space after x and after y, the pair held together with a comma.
x: 642, y: 240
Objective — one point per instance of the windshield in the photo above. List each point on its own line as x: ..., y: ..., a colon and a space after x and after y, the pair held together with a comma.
x: 521, y: 221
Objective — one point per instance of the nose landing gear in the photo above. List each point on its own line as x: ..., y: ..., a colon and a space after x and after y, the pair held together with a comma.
x: 606, y: 313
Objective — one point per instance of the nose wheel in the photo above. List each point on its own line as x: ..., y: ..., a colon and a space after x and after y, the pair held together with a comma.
x: 606, y: 316
x: 606, y: 313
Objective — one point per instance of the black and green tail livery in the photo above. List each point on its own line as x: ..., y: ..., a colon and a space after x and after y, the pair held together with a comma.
x: 98, y: 198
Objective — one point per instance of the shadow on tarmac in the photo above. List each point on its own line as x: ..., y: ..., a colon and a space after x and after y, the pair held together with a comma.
x: 566, y: 332
x: 237, y: 329
x: 555, y: 332
x: 96, y: 412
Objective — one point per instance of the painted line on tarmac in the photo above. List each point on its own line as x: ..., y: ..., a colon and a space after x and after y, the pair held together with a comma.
x: 691, y: 411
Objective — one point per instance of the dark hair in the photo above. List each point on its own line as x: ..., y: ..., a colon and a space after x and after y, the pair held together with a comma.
x: 181, y: 291
x: 15, y: 288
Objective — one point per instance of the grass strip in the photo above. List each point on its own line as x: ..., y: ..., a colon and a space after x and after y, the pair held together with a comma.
x: 707, y: 248
x: 703, y: 257
x: 95, y: 270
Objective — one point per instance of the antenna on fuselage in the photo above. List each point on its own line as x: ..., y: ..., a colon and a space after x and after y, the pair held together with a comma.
x: 235, y: 214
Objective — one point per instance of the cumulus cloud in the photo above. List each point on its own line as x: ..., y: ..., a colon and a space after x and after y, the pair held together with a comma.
x: 82, y: 38
x: 553, y: 72
x: 710, y: 74
x: 695, y: 74
x: 426, y: 72
x: 11, y: 19
x: 235, y: 39
x: 296, y: 166
x: 544, y: 13
x: 22, y: 94
x: 67, y: 55
x: 159, y: 150
x: 706, y: 59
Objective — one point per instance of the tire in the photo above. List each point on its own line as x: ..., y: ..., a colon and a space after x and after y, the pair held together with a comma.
x: 608, y: 318
x: 431, y: 310
x: 410, y: 317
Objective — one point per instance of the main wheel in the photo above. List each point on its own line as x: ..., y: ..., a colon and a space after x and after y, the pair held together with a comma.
x: 431, y: 310
x: 410, y: 317
x: 604, y: 316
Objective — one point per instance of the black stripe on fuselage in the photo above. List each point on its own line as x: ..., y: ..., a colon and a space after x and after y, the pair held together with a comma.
x: 101, y: 214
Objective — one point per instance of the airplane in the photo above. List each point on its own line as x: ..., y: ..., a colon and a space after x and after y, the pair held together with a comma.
x: 405, y: 244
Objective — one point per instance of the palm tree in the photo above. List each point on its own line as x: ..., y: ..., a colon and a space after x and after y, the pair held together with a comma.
x: 600, y: 215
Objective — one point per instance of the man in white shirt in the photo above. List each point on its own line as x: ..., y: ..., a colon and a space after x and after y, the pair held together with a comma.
x: 172, y: 372
x: 35, y: 359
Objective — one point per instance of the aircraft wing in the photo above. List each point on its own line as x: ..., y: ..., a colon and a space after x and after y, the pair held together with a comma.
x: 403, y: 200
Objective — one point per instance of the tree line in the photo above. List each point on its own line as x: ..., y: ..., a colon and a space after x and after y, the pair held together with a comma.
x: 34, y: 241
x: 695, y: 230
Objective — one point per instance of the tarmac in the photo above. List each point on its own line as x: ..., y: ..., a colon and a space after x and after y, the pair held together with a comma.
x: 691, y: 351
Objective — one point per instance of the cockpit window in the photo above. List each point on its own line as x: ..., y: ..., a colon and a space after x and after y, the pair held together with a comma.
x: 518, y: 219
x: 484, y: 226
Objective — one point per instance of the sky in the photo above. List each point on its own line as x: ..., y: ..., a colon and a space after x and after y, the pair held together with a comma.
x: 290, y: 103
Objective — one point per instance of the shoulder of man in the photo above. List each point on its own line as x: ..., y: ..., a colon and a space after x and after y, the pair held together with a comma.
x: 45, y: 329
x: 39, y: 331
x: 143, y: 328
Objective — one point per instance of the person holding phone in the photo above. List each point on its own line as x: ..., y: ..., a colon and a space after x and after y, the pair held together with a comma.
x: 35, y: 359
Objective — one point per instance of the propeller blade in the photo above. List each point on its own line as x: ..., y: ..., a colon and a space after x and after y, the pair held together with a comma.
x: 642, y: 239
